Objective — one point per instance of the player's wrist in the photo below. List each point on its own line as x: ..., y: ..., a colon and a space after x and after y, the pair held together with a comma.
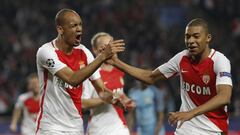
x: 101, y: 57
x: 194, y: 112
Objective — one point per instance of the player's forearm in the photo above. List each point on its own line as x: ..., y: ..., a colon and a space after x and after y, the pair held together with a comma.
x: 140, y: 74
x: 130, y: 120
x: 86, y: 72
x: 16, y: 116
x: 91, y: 103
x: 219, y: 100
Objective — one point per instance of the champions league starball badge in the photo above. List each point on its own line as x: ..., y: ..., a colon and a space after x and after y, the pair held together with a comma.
x: 50, y: 62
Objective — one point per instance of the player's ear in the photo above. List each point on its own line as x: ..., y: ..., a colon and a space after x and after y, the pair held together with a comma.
x: 59, y: 29
x: 209, y: 38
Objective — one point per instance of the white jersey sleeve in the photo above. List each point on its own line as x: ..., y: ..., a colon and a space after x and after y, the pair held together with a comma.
x: 172, y: 68
x: 222, y: 69
x: 88, y: 90
x: 21, y: 99
x: 96, y: 75
x: 47, y: 58
x: 19, y: 103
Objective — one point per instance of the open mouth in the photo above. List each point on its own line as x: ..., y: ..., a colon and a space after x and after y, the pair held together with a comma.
x: 192, y: 47
x: 78, y: 37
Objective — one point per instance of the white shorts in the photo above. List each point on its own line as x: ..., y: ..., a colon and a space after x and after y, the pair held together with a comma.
x: 28, y: 132
x: 56, y: 132
x: 123, y: 130
x: 188, y: 129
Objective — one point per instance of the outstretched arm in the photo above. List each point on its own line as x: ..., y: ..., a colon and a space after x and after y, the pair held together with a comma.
x: 143, y: 75
x: 222, y: 98
x: 91, y: 103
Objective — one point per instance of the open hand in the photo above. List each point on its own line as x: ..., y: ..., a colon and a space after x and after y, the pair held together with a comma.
x: 112, y: 48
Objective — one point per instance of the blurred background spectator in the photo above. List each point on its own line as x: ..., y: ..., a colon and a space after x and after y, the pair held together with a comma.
x: 153, y: 31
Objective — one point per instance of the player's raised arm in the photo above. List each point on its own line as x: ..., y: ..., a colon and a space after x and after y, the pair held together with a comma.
x: 147, y: 76
x: 74, y: 78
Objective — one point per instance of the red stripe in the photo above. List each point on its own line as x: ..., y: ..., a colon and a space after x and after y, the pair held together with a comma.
x: 212, y: 54
x: 221, y: 123
x: 45, y: 75
x: 52, y: 44
x: 120, y: 112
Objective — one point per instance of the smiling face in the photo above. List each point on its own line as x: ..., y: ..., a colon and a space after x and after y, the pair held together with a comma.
x: 70, y: 28
x: 197, y: 41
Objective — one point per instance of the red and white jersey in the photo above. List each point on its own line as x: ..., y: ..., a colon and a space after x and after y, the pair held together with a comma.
x: 198, y: 85
x: 61, y: 103
x: 30, y: 107
x: 106, y: 119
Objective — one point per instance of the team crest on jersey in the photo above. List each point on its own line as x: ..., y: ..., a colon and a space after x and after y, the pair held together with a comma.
x: 206, y: 78
x: 81, y: 63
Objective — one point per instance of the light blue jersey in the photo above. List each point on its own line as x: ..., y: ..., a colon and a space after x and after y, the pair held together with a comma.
x: 148, y: 102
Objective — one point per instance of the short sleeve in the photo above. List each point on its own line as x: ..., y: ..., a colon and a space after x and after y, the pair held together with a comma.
x: 47, y: 58
x: 19, y: 103
x: 88, y: 90
x: 90, y: 58
x: 171, y: 68
x: 222, y: 69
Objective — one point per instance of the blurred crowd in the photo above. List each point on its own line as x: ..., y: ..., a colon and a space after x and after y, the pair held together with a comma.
x: 152, y: 29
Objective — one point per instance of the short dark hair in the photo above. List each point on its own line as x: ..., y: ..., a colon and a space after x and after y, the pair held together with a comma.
x: 199, y: 22
x: 59, y: 18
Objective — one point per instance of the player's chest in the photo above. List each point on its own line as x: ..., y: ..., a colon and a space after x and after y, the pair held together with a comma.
x: 76, y: 60
x: 201, y: 74
x: 32, y: 106
x: 111, y: 79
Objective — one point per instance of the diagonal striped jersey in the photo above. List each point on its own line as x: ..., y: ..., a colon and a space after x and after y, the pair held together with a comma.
x: 30, y: 107
x: 60, y: 107
x: 106, y: 119
x: 198, y: 85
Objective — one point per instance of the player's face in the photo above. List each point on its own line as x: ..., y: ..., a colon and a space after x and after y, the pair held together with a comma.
x: 196, y: 40
x: 72, y: 29
x: 33, y: 85
x: 101, y: 42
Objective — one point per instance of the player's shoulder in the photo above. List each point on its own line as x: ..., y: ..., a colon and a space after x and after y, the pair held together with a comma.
x: 182, y: 53
x: 218, y: 56
x: 46, y: 47
x: 81, y: 47
x: 25, y: 96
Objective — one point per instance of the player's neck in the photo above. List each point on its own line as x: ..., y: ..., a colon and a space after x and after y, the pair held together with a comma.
x: 106, y: 67
x: 63, y: 46
x: 199, y: 58
x: 36, y: 96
